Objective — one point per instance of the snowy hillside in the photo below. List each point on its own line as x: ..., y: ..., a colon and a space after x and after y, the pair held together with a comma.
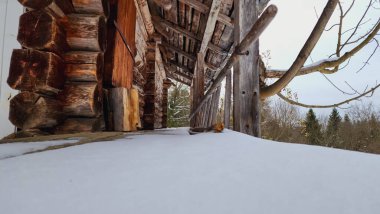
x: 171, y: 172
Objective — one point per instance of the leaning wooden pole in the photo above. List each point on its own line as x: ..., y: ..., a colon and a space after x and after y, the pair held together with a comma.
x: 257, y: 29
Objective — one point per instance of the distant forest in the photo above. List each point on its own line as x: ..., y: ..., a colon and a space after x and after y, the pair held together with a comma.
x: 358, y: 129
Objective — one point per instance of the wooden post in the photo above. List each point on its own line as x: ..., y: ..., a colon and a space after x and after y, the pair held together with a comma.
x: 125, y: 108
x: 246, y: 73
x: 198, y: 88
x: 227, y: 101
x: 37, y: 71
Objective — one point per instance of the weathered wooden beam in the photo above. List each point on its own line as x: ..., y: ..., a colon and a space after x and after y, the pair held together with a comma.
x: 160, y: 21
x: 86, y: 32
x: 83, y: 57
x: 180, y: 66
x: 228, y: 21
x: 82, y: 99
x: 246, y: 73
x: 75, y: 125
x: 41, y: 31
x: 82, y: 66
x: 178, y: 50
x: 29, y: 110
x: 100, y: 7
x: 125, y: 108
x: 172, y: 76
x: 199, y: 88
x: 210, y: 26
x: 217, y: 49
x: 257, y: 29
x: 38, y: 71
x: 165, y: 4
x: 199, y: 6
x: 58, y: 8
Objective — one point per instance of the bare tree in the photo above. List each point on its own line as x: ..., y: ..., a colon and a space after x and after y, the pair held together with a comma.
x: 349, y: 42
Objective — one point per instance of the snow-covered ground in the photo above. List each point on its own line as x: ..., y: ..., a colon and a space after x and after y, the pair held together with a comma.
x: 10, y: 150
x: 171, y: 172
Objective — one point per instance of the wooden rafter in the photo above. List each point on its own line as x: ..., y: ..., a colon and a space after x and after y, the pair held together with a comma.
x: 178, y: 50
x: 199, y: 6
x: 210, y: 26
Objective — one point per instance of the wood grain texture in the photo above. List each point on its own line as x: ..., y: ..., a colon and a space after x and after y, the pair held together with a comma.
x: 40, y: 30
x: 82, y: 99
x: 246, y: 89
x: 122, y: 73
x: 37, y: 71
x: 125, y: 108
x: 75, y: 125
x: 100, y: 7
x: 86, y: 32
x: 58, y: 8
x: 29, y: 110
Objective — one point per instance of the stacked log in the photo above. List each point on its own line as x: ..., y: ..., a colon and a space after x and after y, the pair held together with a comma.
x: 149, y: 87
x: 41, y: 31
x: 37, y: 70
x: 30, y: 110
x: 57, y: 8
x: 82, y: 96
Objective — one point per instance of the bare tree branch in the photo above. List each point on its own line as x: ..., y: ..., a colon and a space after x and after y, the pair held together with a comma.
x: 304, y: 53
x: 371, y: 91
x: 325, y: 66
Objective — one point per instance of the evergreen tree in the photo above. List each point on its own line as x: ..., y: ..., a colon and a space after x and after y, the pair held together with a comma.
x: 179, y: 106
x: 346, y: 133
x: 332, y: 129
x: 312, y: 129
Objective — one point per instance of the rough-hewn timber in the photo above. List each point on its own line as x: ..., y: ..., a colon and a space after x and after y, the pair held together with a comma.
x: 37, y: 71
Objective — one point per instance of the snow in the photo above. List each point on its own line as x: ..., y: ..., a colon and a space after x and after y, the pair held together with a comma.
x: 170, y: 171
x: 9, y: 150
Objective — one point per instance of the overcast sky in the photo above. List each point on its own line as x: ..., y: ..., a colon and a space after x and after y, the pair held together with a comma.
x: 290, y: 29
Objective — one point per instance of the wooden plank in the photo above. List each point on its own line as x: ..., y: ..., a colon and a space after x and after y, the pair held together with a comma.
x: 180, y: 30
x: 122, y: 73
x: 203, y: 8
x: 178, y: 50
x: 256, y: 30
x: 125, y: 108
x: 38, y: 71
x: 210, y: 26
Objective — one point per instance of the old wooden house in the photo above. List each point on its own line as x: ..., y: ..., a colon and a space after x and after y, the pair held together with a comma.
x: 93, y: 65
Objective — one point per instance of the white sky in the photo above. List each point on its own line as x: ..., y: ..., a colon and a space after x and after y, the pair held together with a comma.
x: 287, y: 34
